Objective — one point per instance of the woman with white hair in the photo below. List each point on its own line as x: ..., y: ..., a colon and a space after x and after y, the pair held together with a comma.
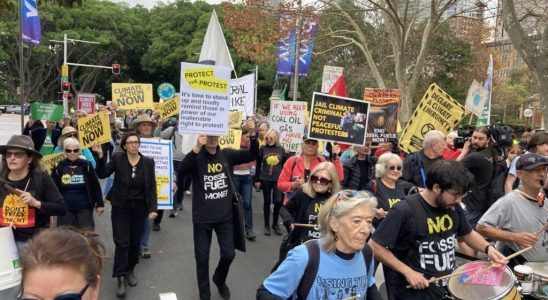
x: 387, y: 186
x: 77, y: 181
x: 341, y: 255
x: 450, y: 152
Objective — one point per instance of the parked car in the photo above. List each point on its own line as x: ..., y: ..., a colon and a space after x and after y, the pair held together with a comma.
x: 3, y: 108
x: 16, y: 109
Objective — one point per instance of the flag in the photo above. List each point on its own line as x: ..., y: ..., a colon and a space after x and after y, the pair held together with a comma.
x: 214, y: 48
x: 286, y: 47
x: 338, y: 88
x: 485, y: 118
x: 30, y: 22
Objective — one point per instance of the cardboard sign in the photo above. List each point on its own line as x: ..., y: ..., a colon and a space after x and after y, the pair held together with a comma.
x: 235, y: 119
x: 242, y: 95
x: 132, y: 95
x: 86, y: 102
x: 383, y: 114
x: 52, y: 160
x: 288, y: 118
x: 46, y: 111
x: 338, y: 119
x: 169, y: 108
x: 329, y: 77
x: 16, y: 212
x: 436, y: 111
x: 232, y: 140
x: 161, y: 152
x: 204, y: 99
x: 94, y: 128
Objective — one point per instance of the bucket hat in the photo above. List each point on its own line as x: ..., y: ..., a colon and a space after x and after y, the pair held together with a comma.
x: 142, y: 118
x: 21, y: 142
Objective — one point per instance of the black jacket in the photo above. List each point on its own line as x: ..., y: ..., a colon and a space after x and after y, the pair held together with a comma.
x: 93, y: 187
x: 119, y: 164
x: 38, y: 137
x: 352, y: 172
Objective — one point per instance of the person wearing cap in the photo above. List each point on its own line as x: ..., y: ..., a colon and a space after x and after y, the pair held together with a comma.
x: 297, y: 168
x: 516, y: 220
x: 26, y: 190
x: 71, y: 132
x: 44, y: 139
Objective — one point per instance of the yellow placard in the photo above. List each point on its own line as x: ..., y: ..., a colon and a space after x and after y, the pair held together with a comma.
x: 232, y: 140
x: 16, y: 212
x: 162, y: 182
x: 132, y: 95
x: 436, y: 111
x: 203, y: 79
x: 52, y: 160
x: 235, y: 119
x: 169, y: 108
x: 94, y: 129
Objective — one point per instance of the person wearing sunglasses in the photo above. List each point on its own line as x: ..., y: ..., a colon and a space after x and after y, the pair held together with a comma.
x: 26, y: 188
x: 71, y: 132
x: 387, y: 186
x: 344, y: 264
x: 133, y: 198
x: 62, y: 264
x: 359, y: 169
x: 78, y: 183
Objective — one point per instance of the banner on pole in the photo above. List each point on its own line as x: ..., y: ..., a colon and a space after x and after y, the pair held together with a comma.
x: 338, y: 119
x: 132, y: 95
x: 30, y: 22
x: 161, y: 152
x: 329, y: 77
x: 232, y: 140
x: 436, y: 111
x: 383, y: 114
x: 288, y: 118
x: 286, y: 47
x: 86, y: 102
x: 242, y: 95
x: 169, y: 108
x: 204, y: 99
x: 94, y: 129
x: 476, y: 98
x: 46, y: 111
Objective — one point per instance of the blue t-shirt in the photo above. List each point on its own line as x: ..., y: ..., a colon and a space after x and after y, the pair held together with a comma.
x: 337, y: 278
x: 73, y: 187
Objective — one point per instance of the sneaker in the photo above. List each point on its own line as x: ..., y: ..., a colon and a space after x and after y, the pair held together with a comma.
x: 156, y: 227
x: 145, y: 253
x: 180, y: 207
x: 250, y: 236
x: 276, y: 229
x: 188, y: 192
x: 173, y: 213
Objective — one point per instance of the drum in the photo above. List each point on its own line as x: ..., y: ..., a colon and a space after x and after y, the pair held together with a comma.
x: 462, y: 291
x: 540, y: 279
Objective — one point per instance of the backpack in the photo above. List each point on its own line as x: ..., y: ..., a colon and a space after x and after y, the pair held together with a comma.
x: 496, y: 187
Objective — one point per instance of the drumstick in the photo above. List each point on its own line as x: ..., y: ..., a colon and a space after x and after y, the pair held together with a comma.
x: 447, y: 276
x: 305, y: 225
x: 353, y: 297
x: 496, y: 265
x: 538, y: 232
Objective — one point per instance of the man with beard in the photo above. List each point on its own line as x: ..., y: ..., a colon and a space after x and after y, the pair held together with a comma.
x: 417, y: 239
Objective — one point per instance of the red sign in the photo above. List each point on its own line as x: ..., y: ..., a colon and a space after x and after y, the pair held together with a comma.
x: 86, y: 102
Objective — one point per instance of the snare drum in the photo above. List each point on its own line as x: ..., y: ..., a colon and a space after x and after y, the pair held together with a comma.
x: 540, y: 279
x: 506, y: 290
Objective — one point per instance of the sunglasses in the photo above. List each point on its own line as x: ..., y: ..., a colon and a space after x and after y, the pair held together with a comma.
x: 392, y: 168
x: 70, y: 296
x: 72, y: 150
x: 17, y: 154
x: 319, y: 180
x: 71, y: 135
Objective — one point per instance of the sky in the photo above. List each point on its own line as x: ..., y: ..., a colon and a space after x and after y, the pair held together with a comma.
x: 151, y: 3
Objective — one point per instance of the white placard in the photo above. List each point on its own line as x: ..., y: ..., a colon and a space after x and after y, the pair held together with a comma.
x: 288, y: 118
x: 329, y: 77
x: 161, y: 152
x: 476, y: 98
x: 242, y: 95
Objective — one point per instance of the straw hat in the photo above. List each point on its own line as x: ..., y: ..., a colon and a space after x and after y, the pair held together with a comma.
x: 68, y: 129
x: 142, y: 118
x: 21, y: 142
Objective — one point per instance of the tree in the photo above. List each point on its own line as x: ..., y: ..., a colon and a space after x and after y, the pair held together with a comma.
x: 527, y: 25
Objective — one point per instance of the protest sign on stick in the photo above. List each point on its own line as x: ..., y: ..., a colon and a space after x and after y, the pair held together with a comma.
x: 232, y: 140
x: 94, y: 129
x: 132, y: 95
x: 204, y: 99
x: 46, y: 111
x: 50, y: 161
x: 86, y: 102
x: 383, y: 114
x: 329, y: 77
x: 338, y: 119
x: 169, y: 108
x: 235, y: 118
x: 288, y: 118
x: 161, y: 152
x: 436, y: 111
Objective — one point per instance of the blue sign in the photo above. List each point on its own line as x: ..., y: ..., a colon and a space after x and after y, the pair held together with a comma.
x: 30, y: 22
x: 166, y: 91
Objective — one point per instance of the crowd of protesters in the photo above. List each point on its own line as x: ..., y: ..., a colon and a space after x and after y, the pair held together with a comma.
x: 364, y: 199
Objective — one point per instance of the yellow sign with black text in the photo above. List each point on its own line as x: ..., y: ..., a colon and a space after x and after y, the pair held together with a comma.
x: 52, y: 160
x: 132, y: 95
x: 436, y: 111
x: 232, y: 140
x: 94, y: 129
x: 169, y: 108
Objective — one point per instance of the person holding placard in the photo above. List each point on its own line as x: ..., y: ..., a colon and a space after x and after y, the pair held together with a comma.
x: 71, y: 132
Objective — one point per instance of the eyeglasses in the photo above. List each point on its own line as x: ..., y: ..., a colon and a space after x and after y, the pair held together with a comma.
x: 72, y: 150
x: 132, y: 143
x: 457, y: 195
x: 18, y: 154
x: 319, y: 180
x: 70, y: 296
x: 392, y: 168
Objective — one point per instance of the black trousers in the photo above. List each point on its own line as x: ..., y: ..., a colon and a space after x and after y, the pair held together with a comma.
x: 127, y: 228
x: 271, y: 194
x: 202, y: 244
